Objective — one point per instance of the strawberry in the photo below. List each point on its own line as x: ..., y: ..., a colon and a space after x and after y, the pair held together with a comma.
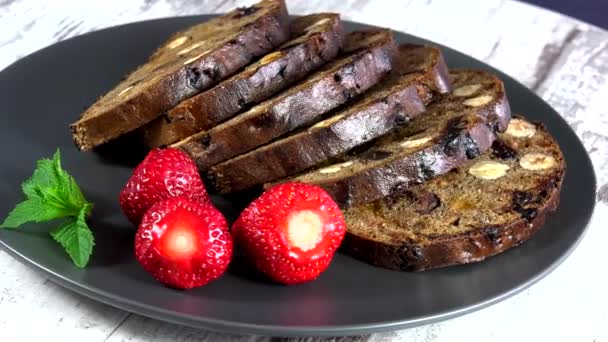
x: 183, y: 243
x: 164, y: 173
x: 291, y: 232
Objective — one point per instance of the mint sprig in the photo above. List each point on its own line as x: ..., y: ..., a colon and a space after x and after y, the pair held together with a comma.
x: 51, y: 194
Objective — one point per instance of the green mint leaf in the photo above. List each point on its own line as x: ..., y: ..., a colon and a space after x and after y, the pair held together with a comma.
x: 68, y: 190
x: 72, y: 193
x: 76, y: 238
x: 34, y: 210
x: 52, y: 194
x: 44, y: 177
x: 51, y: 184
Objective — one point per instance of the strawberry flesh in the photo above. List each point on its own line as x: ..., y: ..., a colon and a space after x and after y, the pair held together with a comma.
x: 291, y: 232
x: 177, y: 236
x: 183, y: 243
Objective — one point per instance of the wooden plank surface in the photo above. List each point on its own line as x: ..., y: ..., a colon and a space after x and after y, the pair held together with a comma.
x: 563, y: 60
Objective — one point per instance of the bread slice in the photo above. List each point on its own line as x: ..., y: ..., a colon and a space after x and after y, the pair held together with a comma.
x: 188, y: 63
x: 367, y: 59
x: 317, y: 39
x: 480, y: 209
x: 458, y: 127
x: 419, y: 74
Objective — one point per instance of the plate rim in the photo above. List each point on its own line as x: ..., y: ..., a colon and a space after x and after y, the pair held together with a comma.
x: 225, y: 326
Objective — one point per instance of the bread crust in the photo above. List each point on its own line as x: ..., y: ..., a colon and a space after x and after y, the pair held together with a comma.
x: 528, y: 206
x: 311, y: 47
x: 178, y: 79
x: 463, y: 137
x: 464, y: 140
x: 441, y: 251
x: 392, y: 103
x: 303, y: 104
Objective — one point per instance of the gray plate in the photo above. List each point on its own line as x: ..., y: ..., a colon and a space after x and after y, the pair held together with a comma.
x: 42, y: 93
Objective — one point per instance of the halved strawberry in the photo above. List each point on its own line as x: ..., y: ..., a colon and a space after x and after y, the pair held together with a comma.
x: 183, y: 243
x: 164, y: 173
x: 291, y: 232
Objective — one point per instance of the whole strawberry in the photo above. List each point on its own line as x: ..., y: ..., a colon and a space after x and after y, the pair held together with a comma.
x: 183, y: 243
x: 164, y: 173
x: 291, y: 232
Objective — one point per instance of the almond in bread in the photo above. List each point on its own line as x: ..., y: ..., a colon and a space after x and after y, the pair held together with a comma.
x: 454, y: 129
x: 482, y: 208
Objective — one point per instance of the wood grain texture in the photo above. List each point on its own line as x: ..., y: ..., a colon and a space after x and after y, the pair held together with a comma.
x: 563, y: 60
x: 27, y: 297
x: 137, y: 328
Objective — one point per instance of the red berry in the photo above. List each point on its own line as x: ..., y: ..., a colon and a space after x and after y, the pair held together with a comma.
x: 183, y: 243
x: 164, y: 173
x: 291, y: 232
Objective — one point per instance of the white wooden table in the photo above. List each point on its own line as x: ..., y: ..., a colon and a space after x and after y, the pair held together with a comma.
x: 563, y: 60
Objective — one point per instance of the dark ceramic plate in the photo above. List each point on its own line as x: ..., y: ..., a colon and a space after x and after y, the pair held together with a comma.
x: 42, y: 93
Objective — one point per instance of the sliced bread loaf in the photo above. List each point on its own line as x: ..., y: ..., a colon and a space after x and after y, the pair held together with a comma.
x: 419, y: 74
x: 367, y: 59
x: 480, y: 209
x: 316, y: 39
x: 457, y: 127
x: 188, y: 63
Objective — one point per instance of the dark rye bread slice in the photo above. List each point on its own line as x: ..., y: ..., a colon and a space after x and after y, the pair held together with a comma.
x: 367, y: 58
x: 480, y: 209
x: 419, y: 74
x: 316, y: 39
x: 188, y: 63
x: 455, y: 128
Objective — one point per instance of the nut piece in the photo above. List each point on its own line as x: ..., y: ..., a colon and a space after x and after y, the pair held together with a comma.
x: 190, y: 48
x: 488, y: 169
x: 329, y: 121
x: 478, y: 101
x: 125, y: 90
x: 335, y: 167
x: 537, y: 161
x: 271, y: 57
x: 520, y: 128
x: 195, y: 58
x: 466, y: 90
x: 415, y: 143
x: 177, y: 42
x: 461, y: 203
x: 317, y: 24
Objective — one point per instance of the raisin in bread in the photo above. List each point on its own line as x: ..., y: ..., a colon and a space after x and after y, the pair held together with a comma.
x: 459, y: 126
x: 188, y: 63
x: 317, y: 39
x: 367, y: 59
x: 419, y: 75
x: 480, y: 209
